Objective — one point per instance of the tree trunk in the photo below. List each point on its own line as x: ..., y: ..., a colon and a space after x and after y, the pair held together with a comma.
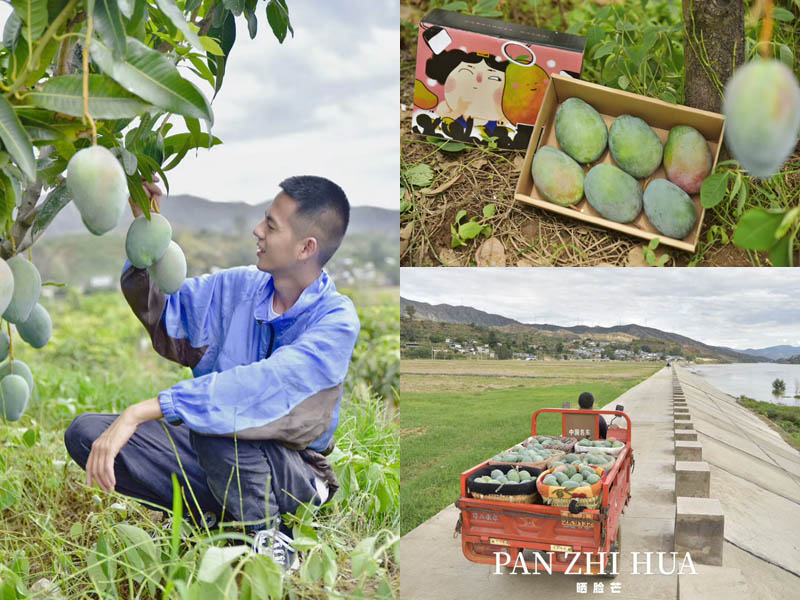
x: 713, y: 47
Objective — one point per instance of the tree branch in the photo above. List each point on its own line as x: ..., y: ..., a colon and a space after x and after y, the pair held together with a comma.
x: 26, y: 214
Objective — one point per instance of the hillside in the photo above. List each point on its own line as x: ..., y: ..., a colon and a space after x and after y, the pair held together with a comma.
x: 199, y: 214
x: 465, y: 323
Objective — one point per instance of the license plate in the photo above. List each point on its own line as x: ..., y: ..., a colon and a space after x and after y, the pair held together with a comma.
x: 555, y: 548
x: 497, y: 542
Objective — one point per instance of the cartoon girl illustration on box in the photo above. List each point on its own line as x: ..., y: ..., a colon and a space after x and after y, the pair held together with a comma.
x: 478, y: 97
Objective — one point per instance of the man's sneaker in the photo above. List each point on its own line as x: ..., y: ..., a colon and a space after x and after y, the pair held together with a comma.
x: 278, y: 546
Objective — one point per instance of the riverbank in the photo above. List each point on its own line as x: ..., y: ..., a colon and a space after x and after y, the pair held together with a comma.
x: 784, y: 419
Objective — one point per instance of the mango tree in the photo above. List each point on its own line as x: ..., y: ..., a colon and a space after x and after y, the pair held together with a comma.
x: 88, y: 92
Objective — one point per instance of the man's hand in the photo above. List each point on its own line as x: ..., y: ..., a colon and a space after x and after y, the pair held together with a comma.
x: 100, y: 464
x: 153, y: 192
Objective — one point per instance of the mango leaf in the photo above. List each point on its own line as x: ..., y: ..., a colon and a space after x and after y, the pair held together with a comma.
x: 33, y: 14
x: 174, y: 14
x: 278, y: 19
x: 152, y: 76
x: 235, y: 6
x: 226, y: 34
x: 216, y: 559
x: 128, y: 159
x: 7, y: 202
x: 179, y: 142
x: 108, y: 20
x: 252, y: 22
x: 57, y: 199
x: 126, y: 7
x: 107, y: 98
x: 756, y: 229
x: 138, y: 195
x: 11, y: 31
x: 16, y: 140
x: 712, y: 192
x: 211, y: 46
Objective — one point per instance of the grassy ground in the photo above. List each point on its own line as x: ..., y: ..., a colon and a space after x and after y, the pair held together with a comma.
x: 450, y: 424
x: 53, y: 527
x: 786, y: 419
x: 475, y: 176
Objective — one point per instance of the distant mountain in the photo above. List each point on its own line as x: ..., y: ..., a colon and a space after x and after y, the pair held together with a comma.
x: 199, y: 214
x: 773, y: 352
x: 445, y: 313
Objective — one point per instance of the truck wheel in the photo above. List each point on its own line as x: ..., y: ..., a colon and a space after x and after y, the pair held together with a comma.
x: 616, y: 546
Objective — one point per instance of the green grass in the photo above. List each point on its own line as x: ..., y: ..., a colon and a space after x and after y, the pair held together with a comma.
x: 51, y: 526
x: 445, y: 433
x: 785, y: 418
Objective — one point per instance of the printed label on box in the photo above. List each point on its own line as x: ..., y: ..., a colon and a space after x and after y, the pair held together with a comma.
x: 480, y: 79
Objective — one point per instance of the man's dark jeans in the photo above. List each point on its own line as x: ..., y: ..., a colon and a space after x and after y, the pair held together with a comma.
x: 270, y: 479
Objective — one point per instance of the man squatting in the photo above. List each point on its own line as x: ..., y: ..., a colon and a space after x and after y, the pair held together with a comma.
x: 269, y: 346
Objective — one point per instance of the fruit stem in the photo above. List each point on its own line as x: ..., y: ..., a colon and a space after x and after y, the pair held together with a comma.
x: 10, y: 349
x: 766, y: 31
x: 88, y: 117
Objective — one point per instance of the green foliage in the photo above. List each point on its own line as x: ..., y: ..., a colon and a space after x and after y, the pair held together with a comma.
x: 650, y: 256
x: 786, y: 418
x: 468, y: 230
x: 92, y: 544
x: 778, y: 387
x: 134, y: 86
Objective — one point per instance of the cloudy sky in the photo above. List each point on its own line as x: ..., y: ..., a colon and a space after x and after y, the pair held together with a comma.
x: 322, y: 103
x: 739, y: 308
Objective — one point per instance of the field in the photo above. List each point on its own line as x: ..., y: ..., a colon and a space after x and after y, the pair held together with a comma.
x: 786, y: 419
x: 457, y: 414
x: 53, y: 528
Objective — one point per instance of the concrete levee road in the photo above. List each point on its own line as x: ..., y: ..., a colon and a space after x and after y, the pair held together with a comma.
x: 433, y: 567
x: 754, y: 474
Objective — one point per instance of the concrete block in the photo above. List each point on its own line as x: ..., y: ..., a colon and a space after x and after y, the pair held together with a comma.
x: 683, y: 413
x: 688, y: 450
x: 699, y: 529
x: 686, y: 435
x: 692, y: 479
x: 683, y: 424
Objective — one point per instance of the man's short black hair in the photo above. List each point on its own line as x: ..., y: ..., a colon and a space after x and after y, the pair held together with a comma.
x: 324, y: 206
x: 586, y: 400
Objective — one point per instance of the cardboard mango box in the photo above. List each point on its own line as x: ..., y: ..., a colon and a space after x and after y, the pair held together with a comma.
x: 611, y: 103
x: 479, y: 79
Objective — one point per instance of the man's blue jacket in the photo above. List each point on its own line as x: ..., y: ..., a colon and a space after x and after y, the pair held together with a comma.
x: 280, y: 379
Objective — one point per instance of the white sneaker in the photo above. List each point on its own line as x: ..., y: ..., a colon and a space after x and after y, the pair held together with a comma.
x: 278, y: 546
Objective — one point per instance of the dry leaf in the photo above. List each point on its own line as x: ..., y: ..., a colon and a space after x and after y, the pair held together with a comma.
x: 518, y: 162
x: 405, y: 237
x: 529, y: 230
x: 636, y: 257
x: 442, y: 187
x: 449, y: 258
x: 491, y: 254
x: 478, y: 164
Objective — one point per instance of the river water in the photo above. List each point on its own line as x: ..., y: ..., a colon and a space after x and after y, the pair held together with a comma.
x: 753, y: 380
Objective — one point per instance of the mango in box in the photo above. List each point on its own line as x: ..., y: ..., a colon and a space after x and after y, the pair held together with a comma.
x: 634, y: 146
x: 669, y: 209
x: 613, y: 193
x: 687, y: 158
x: 557, y: 177
x: 580, y: 130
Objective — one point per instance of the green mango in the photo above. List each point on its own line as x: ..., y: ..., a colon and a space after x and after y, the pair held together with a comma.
x: 634, y: 146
